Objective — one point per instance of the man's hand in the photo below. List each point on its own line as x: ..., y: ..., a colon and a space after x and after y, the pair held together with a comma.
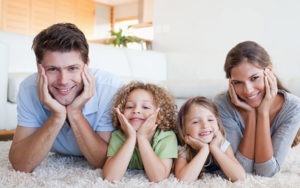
x: 88, y: 91
x: 42, y: 85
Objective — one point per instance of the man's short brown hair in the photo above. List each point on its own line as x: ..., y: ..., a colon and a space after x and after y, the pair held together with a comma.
x: 61, y: 37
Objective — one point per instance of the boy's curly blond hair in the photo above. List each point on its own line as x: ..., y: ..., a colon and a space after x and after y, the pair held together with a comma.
x: 164, y: 100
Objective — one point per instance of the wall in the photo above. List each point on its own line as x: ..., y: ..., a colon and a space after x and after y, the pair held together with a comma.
x: 197, y: 34
x: 102, y: 22
x: 127, y: 10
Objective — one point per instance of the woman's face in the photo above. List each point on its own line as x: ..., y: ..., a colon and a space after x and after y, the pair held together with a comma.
x: 248, y: 82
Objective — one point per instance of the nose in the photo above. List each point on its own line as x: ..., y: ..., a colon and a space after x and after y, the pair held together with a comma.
x: 248, y: 88
x: 136, y: 110
x: 203, y: 124
x: 62, y: 78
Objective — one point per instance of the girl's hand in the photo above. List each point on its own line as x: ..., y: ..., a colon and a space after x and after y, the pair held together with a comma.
x: 149, y: 126
x: 194, y: 143
x: 217, y: 140
x: 125, y: 125
x: 271, y: 90
x: 236, y: 101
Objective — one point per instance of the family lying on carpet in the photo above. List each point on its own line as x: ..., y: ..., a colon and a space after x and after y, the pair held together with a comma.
x: 70, y: 109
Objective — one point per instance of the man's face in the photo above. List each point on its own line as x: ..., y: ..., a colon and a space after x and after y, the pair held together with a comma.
x: 63, y: 71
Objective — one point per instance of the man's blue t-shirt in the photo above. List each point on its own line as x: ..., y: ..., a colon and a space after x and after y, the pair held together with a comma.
x: 33, y: 113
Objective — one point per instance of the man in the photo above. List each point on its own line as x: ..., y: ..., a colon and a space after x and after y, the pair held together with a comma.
x: 65, y: 107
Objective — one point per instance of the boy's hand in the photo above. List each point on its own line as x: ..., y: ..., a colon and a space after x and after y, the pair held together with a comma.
x: 149, y: 126
x: 125, y: 125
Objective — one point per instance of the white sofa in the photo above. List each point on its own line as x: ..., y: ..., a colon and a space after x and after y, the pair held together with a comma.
x: 18, y: 61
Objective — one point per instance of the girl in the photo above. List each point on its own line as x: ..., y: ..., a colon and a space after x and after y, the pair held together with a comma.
x: 204, y: 146
x: 144, y: 119
x: 260, y: 117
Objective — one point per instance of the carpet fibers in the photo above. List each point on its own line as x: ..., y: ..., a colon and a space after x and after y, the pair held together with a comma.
x: 66, y: 171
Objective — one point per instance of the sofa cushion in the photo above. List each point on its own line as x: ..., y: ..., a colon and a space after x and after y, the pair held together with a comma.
x: 14, y: 81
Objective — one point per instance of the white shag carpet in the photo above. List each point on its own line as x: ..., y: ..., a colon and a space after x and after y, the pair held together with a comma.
x: 66, y: 171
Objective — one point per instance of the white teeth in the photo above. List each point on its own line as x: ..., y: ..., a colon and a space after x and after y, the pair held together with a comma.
x: 252, y: 97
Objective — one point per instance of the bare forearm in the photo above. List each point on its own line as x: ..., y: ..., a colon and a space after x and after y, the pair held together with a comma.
x: 116, y: 166
x: 92, y: 146
x: 154, y: 167
x: 247, y: 145
x: 191, y: 171
x: 26, y: 154
x: 263, y: 146
x: 231, y: 168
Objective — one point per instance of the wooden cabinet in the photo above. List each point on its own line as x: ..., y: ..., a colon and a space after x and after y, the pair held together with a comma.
x: 65, y: 11
x: 1, y: 14
x: 16, y: 16
x: 32, y: 16
x: 85, y: 17
x: 42, y: 15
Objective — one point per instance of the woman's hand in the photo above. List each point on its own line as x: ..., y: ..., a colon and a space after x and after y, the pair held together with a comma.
x: 125, y: 125
x: 217, y: 140
x: 149, y: 126
x: 236, y: 101
x: 195, y: 143
x: 271, y: 90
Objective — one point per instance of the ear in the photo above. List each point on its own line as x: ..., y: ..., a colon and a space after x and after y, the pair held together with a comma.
x: 88, y: 62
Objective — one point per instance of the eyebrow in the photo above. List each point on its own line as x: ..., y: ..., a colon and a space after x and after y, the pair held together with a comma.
x: 255, y: 74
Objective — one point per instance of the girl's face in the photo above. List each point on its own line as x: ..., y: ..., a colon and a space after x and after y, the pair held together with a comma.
x: 248, y: 83
x: 200, y: 123
x: 139, y: 106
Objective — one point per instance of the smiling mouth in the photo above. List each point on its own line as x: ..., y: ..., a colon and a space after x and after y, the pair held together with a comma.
x: 205, y: 133
x: 136, y: 119
x: 253, y: 97
x: 64, y: 91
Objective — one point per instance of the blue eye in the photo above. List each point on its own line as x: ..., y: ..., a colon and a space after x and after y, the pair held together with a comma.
x: 52, y: 69
x: 211, y: 120
x: 146, y: 107
x: 73, y: 68
x: 236, y: 82
x: 129, y: 107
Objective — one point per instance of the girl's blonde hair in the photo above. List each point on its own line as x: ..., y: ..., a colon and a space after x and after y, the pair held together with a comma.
x: 206, y: 103
x: 164, y: 100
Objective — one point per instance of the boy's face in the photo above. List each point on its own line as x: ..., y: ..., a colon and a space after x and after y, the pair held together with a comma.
x: 139, y: 106
x: 63, y: 71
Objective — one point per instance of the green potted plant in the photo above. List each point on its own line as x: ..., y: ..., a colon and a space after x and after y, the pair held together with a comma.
x: 120, y: 39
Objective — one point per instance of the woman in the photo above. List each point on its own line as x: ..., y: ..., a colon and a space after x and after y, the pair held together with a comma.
x: 260, y: 116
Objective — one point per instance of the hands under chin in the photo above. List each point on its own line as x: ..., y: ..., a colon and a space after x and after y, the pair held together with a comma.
x: 217, y: 140
x: 148, y: 128
x: 195, y: 143
x: 88, y: 91
x: 237, y: 102
x: 271, y: 91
